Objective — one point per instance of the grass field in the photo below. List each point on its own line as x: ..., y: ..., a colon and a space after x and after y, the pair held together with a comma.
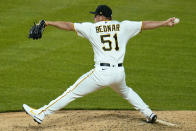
x: 160, y: 64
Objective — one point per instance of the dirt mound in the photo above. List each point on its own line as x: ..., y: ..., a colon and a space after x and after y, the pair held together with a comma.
x: 99, y: 120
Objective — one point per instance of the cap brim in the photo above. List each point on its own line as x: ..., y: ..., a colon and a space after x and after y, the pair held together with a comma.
x: 93, y: 12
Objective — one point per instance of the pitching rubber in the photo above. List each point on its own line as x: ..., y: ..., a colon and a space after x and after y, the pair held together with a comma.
x: 166, y: 123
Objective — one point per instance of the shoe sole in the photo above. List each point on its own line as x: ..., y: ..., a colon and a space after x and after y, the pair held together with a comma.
x: 31, y: 116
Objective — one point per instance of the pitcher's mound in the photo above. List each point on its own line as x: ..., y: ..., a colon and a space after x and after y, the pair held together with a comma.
x: 100, y: 120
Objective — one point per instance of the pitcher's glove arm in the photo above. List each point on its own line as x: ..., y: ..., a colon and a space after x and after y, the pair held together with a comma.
x: 37, y: 30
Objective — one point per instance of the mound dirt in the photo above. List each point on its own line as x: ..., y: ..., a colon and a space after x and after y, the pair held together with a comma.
x: 99, y: 120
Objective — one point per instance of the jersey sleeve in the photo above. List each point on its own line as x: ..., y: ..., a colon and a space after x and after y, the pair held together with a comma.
x: 131, y: 28
x: 83, y: 29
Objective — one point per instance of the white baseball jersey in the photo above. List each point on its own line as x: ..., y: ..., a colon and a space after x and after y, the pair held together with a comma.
x: 108, y: 38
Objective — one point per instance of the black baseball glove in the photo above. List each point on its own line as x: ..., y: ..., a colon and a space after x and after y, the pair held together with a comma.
x: 37, y: 30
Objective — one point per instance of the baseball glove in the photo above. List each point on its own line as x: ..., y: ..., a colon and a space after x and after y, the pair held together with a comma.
x: 37, y: 30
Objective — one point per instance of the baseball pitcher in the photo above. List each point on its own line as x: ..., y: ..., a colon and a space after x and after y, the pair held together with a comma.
x: 109, y: 39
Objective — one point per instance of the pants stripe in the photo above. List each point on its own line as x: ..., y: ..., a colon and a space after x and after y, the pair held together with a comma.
x: 68, y: 91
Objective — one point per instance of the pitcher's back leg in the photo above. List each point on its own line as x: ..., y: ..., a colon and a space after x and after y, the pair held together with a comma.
x: 133, y: 98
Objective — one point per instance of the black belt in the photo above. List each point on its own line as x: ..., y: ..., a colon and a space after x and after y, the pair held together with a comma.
x: 108, y: 64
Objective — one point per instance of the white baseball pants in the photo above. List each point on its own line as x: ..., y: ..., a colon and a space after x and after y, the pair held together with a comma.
x: 93, y: 80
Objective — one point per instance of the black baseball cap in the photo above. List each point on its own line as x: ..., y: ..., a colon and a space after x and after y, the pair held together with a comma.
x: 103, y: 10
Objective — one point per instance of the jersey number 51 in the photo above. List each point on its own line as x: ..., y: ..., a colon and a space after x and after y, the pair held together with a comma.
x: 109, y: 42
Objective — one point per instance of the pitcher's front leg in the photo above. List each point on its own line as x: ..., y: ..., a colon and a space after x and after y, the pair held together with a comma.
x: 84, y: 85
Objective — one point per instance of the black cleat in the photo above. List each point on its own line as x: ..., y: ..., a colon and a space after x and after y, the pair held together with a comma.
x: 152, y: 118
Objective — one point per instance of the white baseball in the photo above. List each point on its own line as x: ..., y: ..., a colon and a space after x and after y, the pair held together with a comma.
x: 177, y: 20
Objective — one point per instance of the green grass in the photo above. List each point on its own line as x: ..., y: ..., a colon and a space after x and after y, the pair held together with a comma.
x: 160, y: 64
